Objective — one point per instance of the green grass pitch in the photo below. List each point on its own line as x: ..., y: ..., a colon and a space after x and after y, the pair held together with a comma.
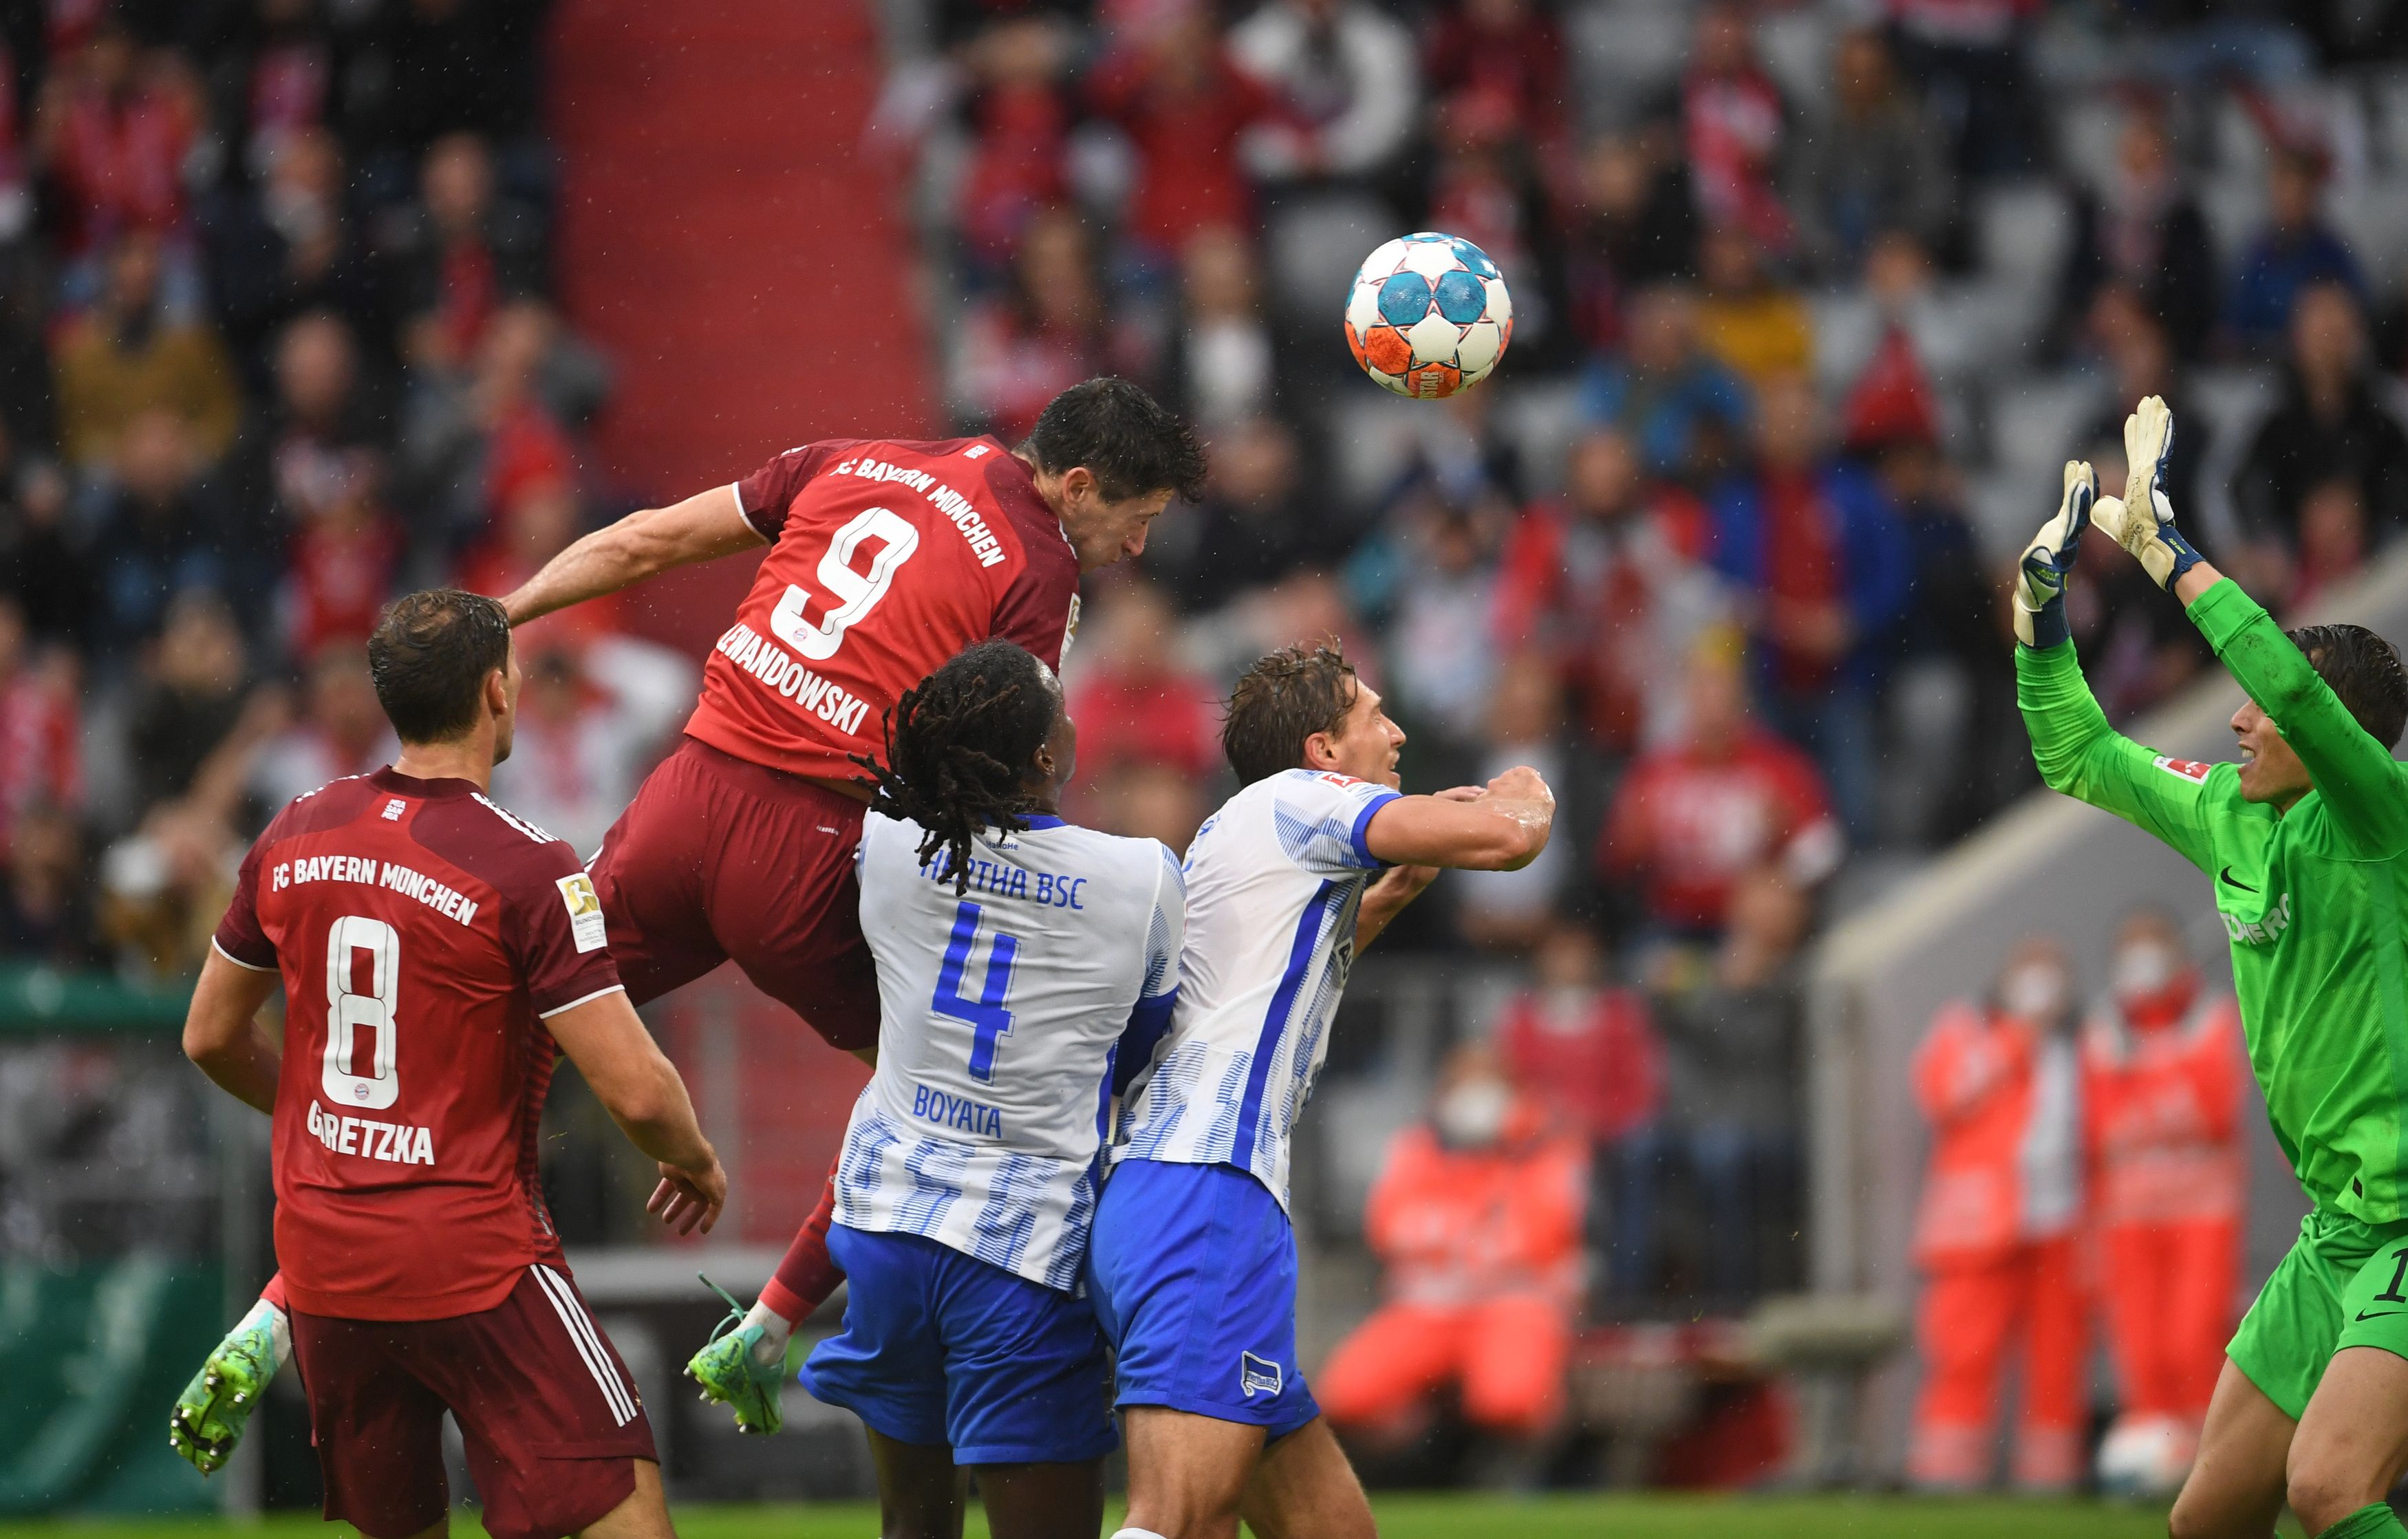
x: 1401, y: 1516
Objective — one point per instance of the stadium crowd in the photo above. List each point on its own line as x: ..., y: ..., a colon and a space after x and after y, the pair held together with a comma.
x: 1811, y: 302
x: 276, y: 342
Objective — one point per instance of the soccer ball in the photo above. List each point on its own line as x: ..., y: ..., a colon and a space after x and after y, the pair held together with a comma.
x: 1429, y: 315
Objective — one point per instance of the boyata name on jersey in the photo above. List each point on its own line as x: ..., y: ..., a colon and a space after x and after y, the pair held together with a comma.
x: 760, y: 657
x: 366, y: 869
x: 392, y: 1142
x: 956, y: 507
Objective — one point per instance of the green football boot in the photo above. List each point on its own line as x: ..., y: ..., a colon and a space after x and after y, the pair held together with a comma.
x: 730, y: 1374
x: 216, y: 1406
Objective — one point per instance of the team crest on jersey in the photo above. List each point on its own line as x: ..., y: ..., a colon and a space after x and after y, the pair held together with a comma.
x: 584, y: 907
x: 2187, y: 769
x: 1255, y: 1373
x: 1334, y: 778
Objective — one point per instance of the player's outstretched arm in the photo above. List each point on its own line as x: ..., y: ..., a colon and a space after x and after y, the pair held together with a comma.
x: 647, y: 541
x: 640, y: 1089
x: 2077, y: 752
x: 222, y: 1035
x: 1500, y: 829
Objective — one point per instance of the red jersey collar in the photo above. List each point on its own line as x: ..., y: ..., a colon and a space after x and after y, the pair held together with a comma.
x: 391, y: 779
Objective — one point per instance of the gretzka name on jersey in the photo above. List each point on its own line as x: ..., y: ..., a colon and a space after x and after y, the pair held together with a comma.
x: 760, y: 657
x: 956, y: 508
x: 391, y: 1141
x: 445, y: 901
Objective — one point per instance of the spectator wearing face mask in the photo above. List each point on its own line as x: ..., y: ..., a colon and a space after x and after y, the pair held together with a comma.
x: 2164, y: 1081
x: 1476, y: 1218
x: 2000, y: 1082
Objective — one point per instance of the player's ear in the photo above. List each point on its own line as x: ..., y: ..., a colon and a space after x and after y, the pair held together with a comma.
x: 1320, y: 751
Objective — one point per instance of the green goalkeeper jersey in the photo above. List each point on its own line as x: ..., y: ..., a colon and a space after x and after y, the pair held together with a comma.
x: 2311, y: 898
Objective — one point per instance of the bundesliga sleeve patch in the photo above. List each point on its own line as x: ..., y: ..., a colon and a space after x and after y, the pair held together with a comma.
x: 2187, y: 769
x: 584, y: 911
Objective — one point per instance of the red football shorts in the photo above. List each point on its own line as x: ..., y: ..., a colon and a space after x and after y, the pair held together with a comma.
x: 547, y: 1411
x: 719, y: 859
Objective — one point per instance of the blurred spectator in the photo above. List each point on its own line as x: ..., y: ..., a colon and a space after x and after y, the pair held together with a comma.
x: 1440, y: 660
x: 542, y: 519
x: 1610, y: 581
x: 1878, y: 162
x: 581, y: 747
x: 1346, y: 73
x: 1588, y: 1053
x: 159, y: 532
x: 191, y: 699
x: 1018, y: 116
x: 461, y: 251
x: 50, y: 574
x: 128, y: 356
x: 1967, y: 57
x: 1734, y: 128
x: 473, y: 441
x: 1169, y: 82
x: 2140, y: 362
x: 1734, y: 1062
x: 1257, y: 522
x: 343, y: 560
x: 2297, y: 248
x: 2144, y: 230
x: 289, y: 247
x: 341, y: 731
x: 306, y: 437
x: 1508, y: 55
x: 1997, y: 1235
x: 1815, y: 543
x: 1525, y: 724
x: 1052, y: 327
x: 1685, y: 411
x: 2164, y: 1083
x: 1476, y: 1218
x: 1149, y: 732
x: 1222, y: 368
x: 2330, y: 423
x: 274, y: 69
x: 2332, y: 540
x: 1760, y: 328
x: 46, y: 905
x: 1727, y: 797
x: 41, y: 726
x: 1953, y: 684
x: 112, y: 128
x: 1634, y: 225
x: 1485, y: 188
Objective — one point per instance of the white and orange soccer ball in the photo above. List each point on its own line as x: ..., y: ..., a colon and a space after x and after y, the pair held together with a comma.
x: 1429, y: 315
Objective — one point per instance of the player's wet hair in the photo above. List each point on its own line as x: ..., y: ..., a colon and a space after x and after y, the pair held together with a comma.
x: 1281, y: 701
x: 960, y: 748
x: 429, y: 655
x: 1128, y: 440
x: 2364, y: 670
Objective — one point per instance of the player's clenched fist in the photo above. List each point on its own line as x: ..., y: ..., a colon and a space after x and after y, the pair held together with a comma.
x: 2144, y: 522
x: 2040, y: 580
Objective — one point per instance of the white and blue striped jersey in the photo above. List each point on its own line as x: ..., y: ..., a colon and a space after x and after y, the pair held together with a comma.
x: 1273, y: 881
x: 1000, y: 1016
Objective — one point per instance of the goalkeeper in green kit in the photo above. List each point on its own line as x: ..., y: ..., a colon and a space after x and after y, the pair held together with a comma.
x: 2305, y: 841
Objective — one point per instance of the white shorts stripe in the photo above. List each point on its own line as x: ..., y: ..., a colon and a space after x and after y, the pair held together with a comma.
x: 580, y: 1335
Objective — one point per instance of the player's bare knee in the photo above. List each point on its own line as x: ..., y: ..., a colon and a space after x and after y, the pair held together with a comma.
x: 2322, y: 1491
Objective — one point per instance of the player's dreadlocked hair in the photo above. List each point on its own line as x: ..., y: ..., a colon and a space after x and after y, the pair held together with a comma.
x: 2364, y: 670
x: 1284, y: 699
x: 960, y: 746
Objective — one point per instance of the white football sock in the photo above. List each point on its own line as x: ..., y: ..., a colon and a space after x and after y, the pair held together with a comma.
x: 1136, y: 1533
x: 775, y: 1332
x: 279, y: 1330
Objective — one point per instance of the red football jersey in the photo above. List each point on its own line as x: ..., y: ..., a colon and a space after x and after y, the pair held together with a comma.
x: 423, y: 933
x: 885, y: 559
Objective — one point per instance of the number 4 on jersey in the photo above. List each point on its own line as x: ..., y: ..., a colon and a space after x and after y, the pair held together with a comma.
x: 988, y: 1018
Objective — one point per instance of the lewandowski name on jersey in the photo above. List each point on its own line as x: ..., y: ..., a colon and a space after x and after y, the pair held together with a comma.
x: 1001, y: 1013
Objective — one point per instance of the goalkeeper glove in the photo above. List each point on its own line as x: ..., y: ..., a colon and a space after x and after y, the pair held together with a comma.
x: 2040, y: 582
x: 2144, y: 522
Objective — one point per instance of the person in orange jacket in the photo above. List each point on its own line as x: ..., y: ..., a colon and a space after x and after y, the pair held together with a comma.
x: 1476, y: 1216
x: 2163, y: 1080
x: 1995, y: 1238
